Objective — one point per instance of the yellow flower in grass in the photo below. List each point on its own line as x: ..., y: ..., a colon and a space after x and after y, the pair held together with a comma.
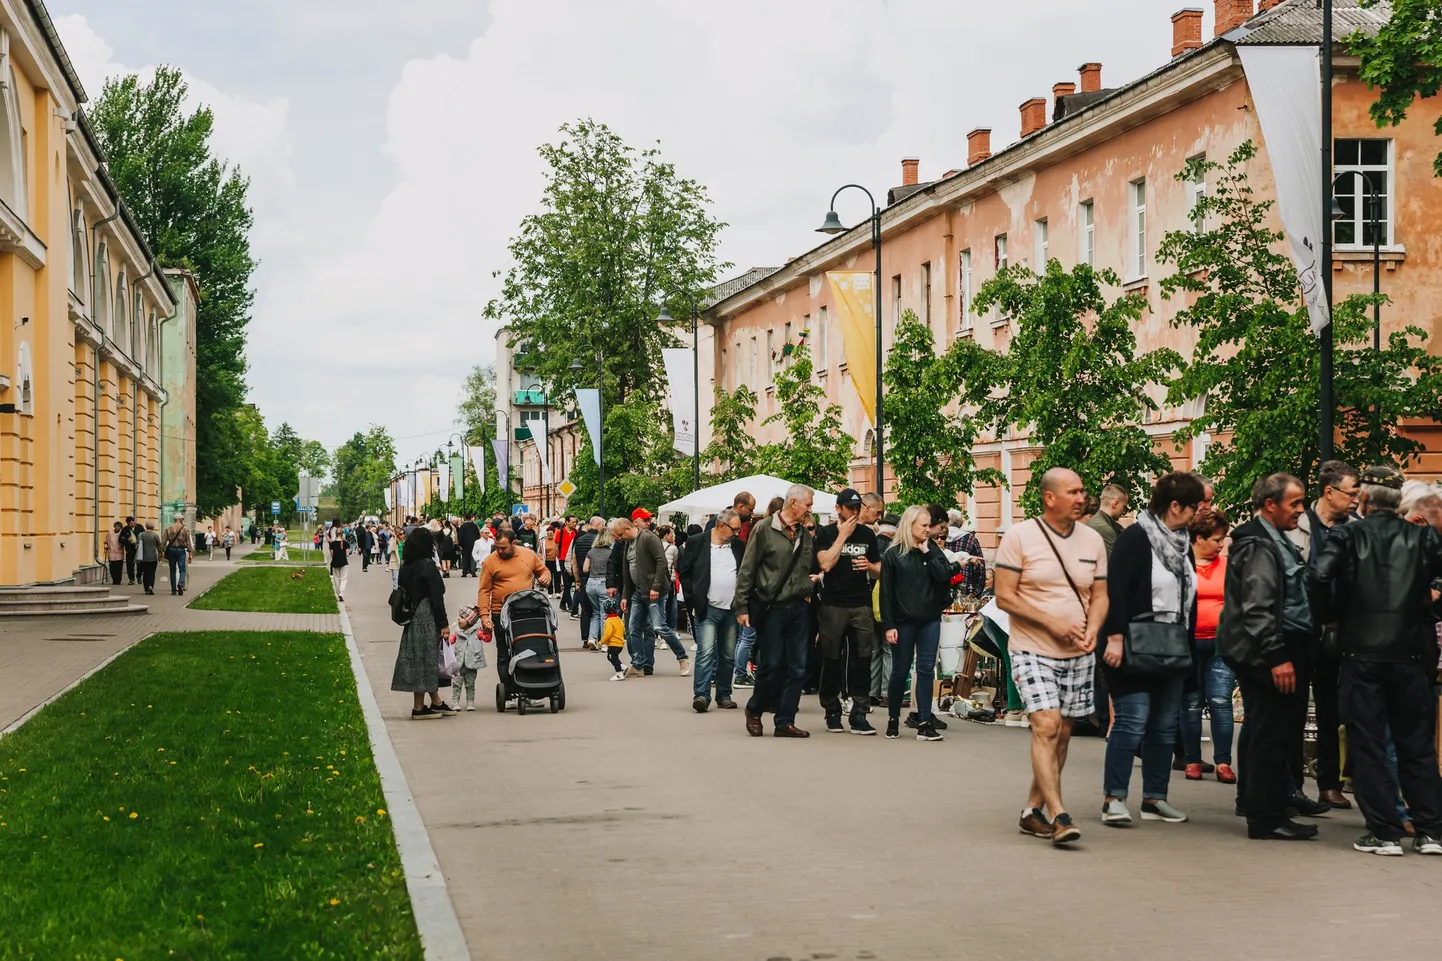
x: 334, y: 901
x: 360, y: 819
x: 133, y: 815
x: 261, y: 845
x: 381, y: 811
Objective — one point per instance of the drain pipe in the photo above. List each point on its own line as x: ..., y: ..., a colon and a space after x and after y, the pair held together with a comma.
x: 95, y: 415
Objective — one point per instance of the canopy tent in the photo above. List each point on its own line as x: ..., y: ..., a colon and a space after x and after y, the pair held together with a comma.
x: 763, y: 487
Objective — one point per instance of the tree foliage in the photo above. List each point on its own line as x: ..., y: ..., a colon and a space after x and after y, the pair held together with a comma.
x: 1256, y: 365
x: 930, y: 403
x: 364, y: 466
x: 1403, y: 61
x: 192, y: 208
x: 816, y: 449
x: 1074, y: 377
x: 732, y: 452
x: 476, y: 412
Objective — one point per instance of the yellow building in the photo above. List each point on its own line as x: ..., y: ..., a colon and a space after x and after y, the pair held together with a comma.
x: 81, y: 310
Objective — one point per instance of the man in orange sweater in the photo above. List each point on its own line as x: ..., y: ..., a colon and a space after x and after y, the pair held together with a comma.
x: 508, y: 568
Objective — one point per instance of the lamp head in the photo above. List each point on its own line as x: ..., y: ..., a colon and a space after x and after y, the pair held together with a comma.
x: 576, y: 366
x: 664, y: 317
x: 832, y: 224
x: 1337, y: 212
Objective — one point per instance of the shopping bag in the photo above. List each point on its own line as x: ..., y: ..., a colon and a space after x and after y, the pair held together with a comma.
x: 446, y: 663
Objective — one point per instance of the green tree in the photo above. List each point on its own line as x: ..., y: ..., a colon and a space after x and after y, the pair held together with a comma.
x: 269, y: 475
x: 618, y: 234
x: 930, y: 402
x: 816, y: 449
x: 1403, y: 60
x: 1073, y: 377
x: 314, y: 459
x: 732, y: 452
x: 364, y: 466
x: 1255, y: 369
x: 476, y: 412
x: 192, y: 208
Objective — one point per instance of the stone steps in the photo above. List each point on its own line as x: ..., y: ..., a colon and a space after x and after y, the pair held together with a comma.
x: 64, y: 601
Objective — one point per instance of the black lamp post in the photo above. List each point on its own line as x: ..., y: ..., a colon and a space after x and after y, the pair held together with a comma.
x: 576, y: 369
x: 665, y: 318
x: 1325, y: 262
x: 833, y: 225
x: 1374, y: 219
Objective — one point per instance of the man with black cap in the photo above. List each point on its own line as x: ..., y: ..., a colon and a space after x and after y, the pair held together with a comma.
x: 847, y: 557
x: 1377, y: 574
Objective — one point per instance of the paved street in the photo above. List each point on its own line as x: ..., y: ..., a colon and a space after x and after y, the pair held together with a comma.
x: 630, y: 827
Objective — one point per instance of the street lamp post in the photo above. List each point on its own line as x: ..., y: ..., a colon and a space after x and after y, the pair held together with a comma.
x: 665, y: 318
x: 1374, y: 219
x: 1325, y: 265
x: 832, y: 225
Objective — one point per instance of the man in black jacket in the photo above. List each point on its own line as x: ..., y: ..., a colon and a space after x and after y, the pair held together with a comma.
x: 1378, y: 574
x: 645, y: 583
x: 707, y: 568
x: 467, y: 536
x: 1266, y: 632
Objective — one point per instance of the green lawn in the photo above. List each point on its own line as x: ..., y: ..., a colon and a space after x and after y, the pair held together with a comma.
x: 207, y: 795
x: 274, y: 589
x: 262, y: 555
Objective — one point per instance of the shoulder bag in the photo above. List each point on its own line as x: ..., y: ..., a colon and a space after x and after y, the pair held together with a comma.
x: 758, y: 605
x: 401, y: 609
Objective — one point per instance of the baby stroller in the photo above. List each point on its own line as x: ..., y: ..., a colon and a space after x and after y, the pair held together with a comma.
x: 526, y: 647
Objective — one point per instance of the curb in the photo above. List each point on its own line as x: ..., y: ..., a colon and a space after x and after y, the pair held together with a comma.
x: 431, y: 905
x: 15, y: 726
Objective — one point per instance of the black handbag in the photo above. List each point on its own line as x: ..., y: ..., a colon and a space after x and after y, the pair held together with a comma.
x: 758, y: 604
x: 401, y: 610
x: 1153, y: 648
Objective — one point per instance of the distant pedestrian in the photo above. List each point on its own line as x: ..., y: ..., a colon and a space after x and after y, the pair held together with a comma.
x: 130, y: 540
x: 115, y: 554
x: 340, y: 565
x: 177, y: 552
x: 227, y: 540
x: 148, y: 557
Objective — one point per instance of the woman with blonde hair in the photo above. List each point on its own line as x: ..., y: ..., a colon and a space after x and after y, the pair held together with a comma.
x: 915, y: 590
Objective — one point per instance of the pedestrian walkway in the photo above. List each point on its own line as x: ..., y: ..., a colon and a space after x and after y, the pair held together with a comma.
x: 629, y: 826
x: 43, y: 655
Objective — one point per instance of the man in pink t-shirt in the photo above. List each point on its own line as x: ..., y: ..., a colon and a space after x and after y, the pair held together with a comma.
x: 1051, y: 579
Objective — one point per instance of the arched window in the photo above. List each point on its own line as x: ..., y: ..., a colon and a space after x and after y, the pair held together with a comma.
x: 152, y: 348
x: 77, y: 257
x: 12, y: 156
x: 137, y: 329
x: 121, y: 334
x: 101, y: 307
x: 24, y: 381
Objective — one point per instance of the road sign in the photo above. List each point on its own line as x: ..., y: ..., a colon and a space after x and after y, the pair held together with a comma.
x: 566, y: 487
x: 517, y: 510
x: 275, y: 508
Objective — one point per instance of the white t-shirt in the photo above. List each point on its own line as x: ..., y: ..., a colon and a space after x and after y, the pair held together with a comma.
x: 722, y: 591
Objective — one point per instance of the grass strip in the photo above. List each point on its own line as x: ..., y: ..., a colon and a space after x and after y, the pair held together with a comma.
x: 207, y: 795
x: 294, y: 556
x: 280, y: 590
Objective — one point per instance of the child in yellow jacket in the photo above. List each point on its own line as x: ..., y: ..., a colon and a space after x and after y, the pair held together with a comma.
x: 613, y: 636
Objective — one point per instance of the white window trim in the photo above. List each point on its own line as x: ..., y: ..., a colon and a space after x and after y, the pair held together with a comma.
x: 1196, y: 190
x: 1137, y: 262
x: 1087, y: 242
x: 1041, y: 245
x: 1355, y: 184
x: 964, y: 288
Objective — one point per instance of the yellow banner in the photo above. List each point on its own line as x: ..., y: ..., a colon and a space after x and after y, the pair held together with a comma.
x: 855, y: 297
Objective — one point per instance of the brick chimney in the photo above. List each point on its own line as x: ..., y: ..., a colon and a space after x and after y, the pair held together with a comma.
x: 978, y: 146
x: 1231, y: 14
x: 1187, y: 30
x: 1267, y: 5
x: 1091, y: 76
x: 1058, y: 91
x: 910, y: 168
x: 1033, y: 116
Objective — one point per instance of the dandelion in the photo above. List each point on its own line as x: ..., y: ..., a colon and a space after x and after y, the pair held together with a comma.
x: 107, y: 817
x: 160, y: 750
x: 360, y: 819
x: 381, y: 811
x: 22, y: 770
x: 261, y: 845
x: 334, y: 901
x: 133, y: 815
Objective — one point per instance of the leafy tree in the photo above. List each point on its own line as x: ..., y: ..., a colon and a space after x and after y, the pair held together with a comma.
x: 364, y: 466
x: 192, y: 208
x: 269, y: 475
x: 477, y: 411
x: 1256, y: 363
x: 929, y: 403
x: 1404, y: 61
x: 732, y: 451
x: 816, y: 449
x: 1074, y: 378
x: 314, y: 459
x: 619, y: 232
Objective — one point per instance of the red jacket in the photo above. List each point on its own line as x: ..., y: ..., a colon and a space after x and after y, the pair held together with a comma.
x: 565, y: 537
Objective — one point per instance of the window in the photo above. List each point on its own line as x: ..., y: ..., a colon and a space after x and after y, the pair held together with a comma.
x: 1088, y: 238
x: 771, y: 356
x: 1043, y: 250
x: 1356, y: 227
x: 12, y: 145
x: 823, y: 339
x: 121, y: 335
x: 895, y: 301
x: 1137, y: 262
x: 77, y: 257
x: 926, y: 294
x: 755, y: 367
x: 137, y: 327
x: 152, y: 347
x: 965, y: 287
x: 101, y: 315
x: 786, y: 340
x: 1000, y: 252
x: 1196, y: 190
x: 725, y: 371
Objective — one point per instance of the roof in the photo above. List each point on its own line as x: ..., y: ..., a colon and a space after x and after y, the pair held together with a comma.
x: 57, y: 49
x: 1071, y: 103
x: 728, y: 287
x: 1299, y: 22
x: 897, y: 194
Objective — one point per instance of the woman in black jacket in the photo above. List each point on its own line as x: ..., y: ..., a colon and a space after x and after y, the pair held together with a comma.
x: 915, y: 590
x: 416, y: 661
x: 1150, y: 575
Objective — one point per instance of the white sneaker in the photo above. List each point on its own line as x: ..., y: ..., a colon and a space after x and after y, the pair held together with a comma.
x: 471, y: 706
x: 1016, y: 719
x: 1162, y: 811
x: 619, y: 676
x: 685, y: 666
x: 1115, y: 812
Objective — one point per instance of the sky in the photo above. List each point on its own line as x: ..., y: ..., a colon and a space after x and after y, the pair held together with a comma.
x: 392, y: 147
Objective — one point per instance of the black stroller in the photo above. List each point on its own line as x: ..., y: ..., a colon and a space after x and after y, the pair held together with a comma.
x: 526, y: 650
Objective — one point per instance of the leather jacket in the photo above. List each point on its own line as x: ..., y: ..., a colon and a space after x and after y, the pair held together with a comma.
x: 1375, y: 576
x: 1250, y: 635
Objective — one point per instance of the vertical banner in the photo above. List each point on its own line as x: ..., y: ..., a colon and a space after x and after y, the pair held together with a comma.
x: 387, y: 493
x: 589, y: 401
x: 503, y: 463
x: 478, y: 461
x: 1286, y: 86
x: 856, y: 314
x: 680, y: 378
x: 423, y: 487
x: 543, y: 451
x: 443, y: 482
x: 458, y: 474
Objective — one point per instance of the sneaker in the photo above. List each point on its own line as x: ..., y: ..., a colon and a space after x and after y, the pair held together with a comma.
x: 444, y: 709
x: 1162, y: 811
x: 913, y: 720
x: 926, y: 731
x: 1063, y: 831
x: 1299, y: 805
x: 424, y: 714
x: 699, y: 704
x: 1426, y: 844
x: 833, y: 724
x: 1034, y: 822
x: 685, y: 665
x: 743, y: 680
x: 647, y: 671
x: 633, y: 671
x: 1371, y: 844
x: 1016, y: 719
x: 893, y: 728
x: 860, y: 725
x: 1115, y: 812
x: 471, y: 706
x: 619, y: 676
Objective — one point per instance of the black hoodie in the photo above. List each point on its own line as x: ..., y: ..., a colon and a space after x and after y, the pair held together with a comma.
x: 915, y: 586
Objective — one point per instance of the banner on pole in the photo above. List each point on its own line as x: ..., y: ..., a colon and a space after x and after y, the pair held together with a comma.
x: 423, y: 487
x: 478, y: 461
x: 588, y: 399
x: 1286, y: 85
x: 458, y: 473
x: 503, y: 463
x: 443, y: 483
x: 855, y: 301
x: 387, y: 493
x: 543, y: 451
x: 680, y: 378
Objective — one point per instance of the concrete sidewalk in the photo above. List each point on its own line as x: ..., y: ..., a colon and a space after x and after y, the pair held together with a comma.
x: 43, y: 655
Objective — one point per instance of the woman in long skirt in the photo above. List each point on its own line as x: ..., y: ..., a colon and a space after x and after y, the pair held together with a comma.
x: 416, y: 668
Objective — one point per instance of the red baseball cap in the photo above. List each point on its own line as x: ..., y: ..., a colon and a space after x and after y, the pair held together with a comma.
x: 640, y: 513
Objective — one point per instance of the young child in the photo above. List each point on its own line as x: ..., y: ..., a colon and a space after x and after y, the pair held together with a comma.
x: 470, y: 655
x: 613, y: 636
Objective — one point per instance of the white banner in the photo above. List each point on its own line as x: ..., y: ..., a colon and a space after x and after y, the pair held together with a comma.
x: 680, y: 377
x: 478, y: 460
x: 443, y: 489
x: 588, y: 399
x: 543, y: 451
x: 387, y: 493
x: 1286, y: 86
x: 503, y: 463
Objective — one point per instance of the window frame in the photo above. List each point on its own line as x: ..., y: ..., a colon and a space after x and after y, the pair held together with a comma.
x: 964, y: 279
x: 926, y: 294
x: 1196, y: 190
x: 1041, y: 245
x: 1356, y: 189
x: 1088, y: 239
x: 1137, y: 230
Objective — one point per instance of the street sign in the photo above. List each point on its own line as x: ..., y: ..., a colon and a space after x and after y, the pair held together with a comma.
x: 517, y: 510
x: 275, y: 508
x: 566, y: 487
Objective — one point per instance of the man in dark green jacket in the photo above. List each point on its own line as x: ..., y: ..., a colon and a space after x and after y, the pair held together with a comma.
x: 773, y: 589
x: 645, y: 587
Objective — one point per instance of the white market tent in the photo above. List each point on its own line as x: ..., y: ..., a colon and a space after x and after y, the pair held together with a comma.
x: 712, y: 500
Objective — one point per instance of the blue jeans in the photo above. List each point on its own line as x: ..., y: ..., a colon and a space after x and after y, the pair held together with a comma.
x: 596, y: 591
x: 784, y: 637
x: 715, y: 652
x: 1214, y: 683
x: 1145, y: 719
x: 744, y: 642
x: 919, y: 640
x: 177, y: 558
x: 645, y: 619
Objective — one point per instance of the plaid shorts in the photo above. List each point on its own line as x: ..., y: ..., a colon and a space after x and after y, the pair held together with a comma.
x: 1054, y: 683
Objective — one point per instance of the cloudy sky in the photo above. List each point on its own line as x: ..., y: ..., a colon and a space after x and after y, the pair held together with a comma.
x: 392, y: 146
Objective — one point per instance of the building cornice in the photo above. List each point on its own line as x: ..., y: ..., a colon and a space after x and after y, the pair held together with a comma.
x: 16, y: 237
